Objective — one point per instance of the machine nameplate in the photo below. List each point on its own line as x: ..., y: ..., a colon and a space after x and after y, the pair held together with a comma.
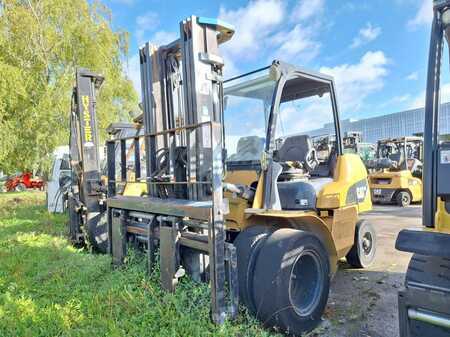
x: 445, y: 157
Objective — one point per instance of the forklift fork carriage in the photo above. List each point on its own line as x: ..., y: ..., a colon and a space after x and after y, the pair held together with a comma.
x: 177, y: 223
x: 183, y: 211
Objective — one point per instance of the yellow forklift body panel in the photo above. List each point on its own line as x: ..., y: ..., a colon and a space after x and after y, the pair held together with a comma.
x: 397, y: 180
x: 442, y: 218
x: 135, y: 189
x: 349, y: 177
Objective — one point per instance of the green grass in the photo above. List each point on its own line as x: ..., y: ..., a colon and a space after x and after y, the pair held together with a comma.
x: 50, y: 288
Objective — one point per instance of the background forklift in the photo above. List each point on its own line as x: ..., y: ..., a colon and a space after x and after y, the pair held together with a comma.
x: 288, y: 214
x: 397, y: 171
x: 87, y: 221
x: 86, y: 191
x: 353, y: 144
x: 424, y: 303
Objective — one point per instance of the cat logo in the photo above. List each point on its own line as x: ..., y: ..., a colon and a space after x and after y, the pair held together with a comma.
x: 361, y: 193
x: 87, y: 121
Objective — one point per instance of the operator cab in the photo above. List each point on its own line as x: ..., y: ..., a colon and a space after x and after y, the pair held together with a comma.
x: 399, y: 154
x: 275, y: 115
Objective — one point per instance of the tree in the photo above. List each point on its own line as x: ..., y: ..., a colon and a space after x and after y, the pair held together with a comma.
x: 42, y: 42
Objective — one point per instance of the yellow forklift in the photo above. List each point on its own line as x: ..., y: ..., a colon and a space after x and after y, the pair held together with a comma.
x: 237, y: 195
x: 396, y: 175
x: 424, y: 303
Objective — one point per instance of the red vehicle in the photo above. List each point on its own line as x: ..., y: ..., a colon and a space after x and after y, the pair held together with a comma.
x: 23, y: 181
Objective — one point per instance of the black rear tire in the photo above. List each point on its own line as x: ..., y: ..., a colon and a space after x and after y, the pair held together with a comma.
x: 403, y: 198
x: 364, y: 247
x: 248, y: 245
x: 94, y: 233
x: 20, y: 187
x: 292, y: 281
x: 430, y: 273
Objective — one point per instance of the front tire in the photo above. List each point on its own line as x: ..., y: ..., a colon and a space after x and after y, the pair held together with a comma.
x: 364, y: 247
x: 248, y: 246
x: 403, y: 199
x: 292, y: 281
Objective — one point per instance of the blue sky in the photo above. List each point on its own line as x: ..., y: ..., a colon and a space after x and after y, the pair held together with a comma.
x: 376, y: 49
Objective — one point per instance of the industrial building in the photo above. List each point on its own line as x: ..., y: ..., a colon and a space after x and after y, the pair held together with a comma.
x: 404, y: 123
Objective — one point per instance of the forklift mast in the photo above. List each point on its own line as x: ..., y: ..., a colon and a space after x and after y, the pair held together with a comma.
x: 183, y: 136
x: 436, y: 154
x: 85, y: 191
x: 424, y: 302
x: 440, y: 30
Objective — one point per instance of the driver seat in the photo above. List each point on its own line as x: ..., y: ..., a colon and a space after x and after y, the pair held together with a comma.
x: 398, y: 158
x: 295, y: 148
x: 298, y: 194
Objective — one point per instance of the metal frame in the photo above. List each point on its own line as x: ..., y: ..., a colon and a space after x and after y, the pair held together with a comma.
x: 432, y: 105
x: 288, y: 72
x: 422, y: 306
x: 184, y: 207
x: 174, y: 217
x: 85, y: 192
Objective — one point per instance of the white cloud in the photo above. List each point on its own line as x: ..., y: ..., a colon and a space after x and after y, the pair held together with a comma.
x: 305, y: 115
x: 268, y: 29
x: 365, y: 35
x: 419, y: 101
x: 163, y: 37
x: 296, y: 44
x: 414, y: 76
x: 229, y: 69
x: 253, y: 24
x: 424, y: 15
x: 146, y: 22
x: 401, y: 98
x: 355, y: 82
x: 396, y: 100
x: 306, y: 9
x: 147, y: 19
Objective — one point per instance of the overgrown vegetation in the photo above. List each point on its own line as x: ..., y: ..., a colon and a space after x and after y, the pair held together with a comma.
x: 50, y: 288
x: 42, y: 42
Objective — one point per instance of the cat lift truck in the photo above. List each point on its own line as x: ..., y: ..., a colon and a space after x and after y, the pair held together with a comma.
x: 424, y: 303
x: 353, y: 143
x: 396, y: 175
x: 266, y: 222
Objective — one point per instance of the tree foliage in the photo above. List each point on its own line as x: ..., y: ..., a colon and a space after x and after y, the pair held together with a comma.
x: 42, y: 42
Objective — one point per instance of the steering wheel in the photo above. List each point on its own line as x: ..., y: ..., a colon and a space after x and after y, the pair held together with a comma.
x: 311, y: 161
